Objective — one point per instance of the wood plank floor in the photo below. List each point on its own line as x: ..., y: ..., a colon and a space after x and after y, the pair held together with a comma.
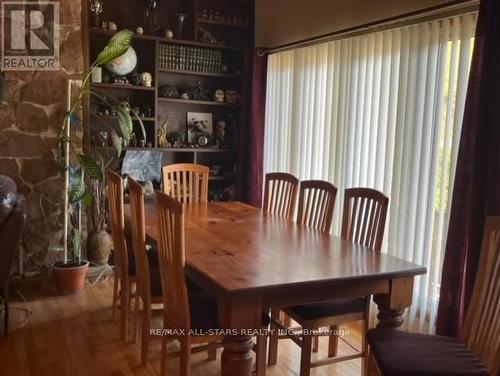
x: 76, y: 336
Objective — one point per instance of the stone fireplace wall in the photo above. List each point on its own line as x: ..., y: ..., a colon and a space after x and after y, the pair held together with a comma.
x: 30, y: 118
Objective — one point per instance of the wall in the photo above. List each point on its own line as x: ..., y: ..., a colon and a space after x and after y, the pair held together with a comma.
x: 30, y: 119
x: 280, y: 22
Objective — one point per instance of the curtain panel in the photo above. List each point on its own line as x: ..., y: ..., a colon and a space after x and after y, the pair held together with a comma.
x: 477, y: 183
x: 382, y: 110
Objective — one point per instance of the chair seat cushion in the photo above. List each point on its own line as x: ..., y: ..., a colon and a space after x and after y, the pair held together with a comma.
x: 409, y: 354
x: 335, y: 307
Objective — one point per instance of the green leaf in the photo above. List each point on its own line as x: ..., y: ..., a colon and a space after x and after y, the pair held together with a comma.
x: 116, y: 47
x: 91, y: 167
x: 117, y: 142
x: 77, y: 190
x: 88, y: 199
x: 125, y: 122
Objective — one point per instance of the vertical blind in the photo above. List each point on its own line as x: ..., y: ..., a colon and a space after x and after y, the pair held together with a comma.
x: 382, y: 110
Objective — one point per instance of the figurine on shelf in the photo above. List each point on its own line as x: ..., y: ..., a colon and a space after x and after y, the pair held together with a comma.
x: 112, y: 26
x: 134, y: 78
x: 104, y: 25
x: 231, y: 96
x: 163, y: 134
x: 146, y: 79
x: 142, y: 143
x: 139, y: 30
x: 168, y: 91
x: 133, y: 140
x: 206, y: 36
x: 169, y: 34
x: 199, y: 93
x: 219, y: 95
x: 148, y: 111
x: 220, y: 133
x: 185, y: 96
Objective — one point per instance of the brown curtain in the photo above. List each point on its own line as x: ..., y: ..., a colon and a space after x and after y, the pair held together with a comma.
x: 251, y: 131
x: 476, y: 192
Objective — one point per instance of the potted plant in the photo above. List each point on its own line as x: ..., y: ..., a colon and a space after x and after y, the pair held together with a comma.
x: 84, y: 170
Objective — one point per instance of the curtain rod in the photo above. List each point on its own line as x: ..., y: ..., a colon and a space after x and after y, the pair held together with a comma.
x: 427, y: 14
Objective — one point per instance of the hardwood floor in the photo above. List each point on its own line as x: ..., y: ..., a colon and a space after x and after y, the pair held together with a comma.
x: 76, y: 336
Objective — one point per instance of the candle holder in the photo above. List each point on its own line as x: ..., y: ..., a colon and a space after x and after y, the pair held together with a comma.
x: 96, y: 10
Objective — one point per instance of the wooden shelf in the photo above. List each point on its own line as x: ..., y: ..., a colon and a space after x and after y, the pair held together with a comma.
x: 208, y: 74
x: 196, y: 102
x: 194, y: 150
x: 108, y: 34
x: 121, y: 87
x: 135, y: 118
x: 209, y: 21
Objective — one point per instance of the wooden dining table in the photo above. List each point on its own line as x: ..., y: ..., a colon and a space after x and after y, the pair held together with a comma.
x: 249, y: 261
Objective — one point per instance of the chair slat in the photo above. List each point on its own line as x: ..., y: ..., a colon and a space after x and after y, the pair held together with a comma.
x: 482, y: 325
x: 280, y: 194
x: 186, y: 182
x: 316, y: 204
x: 364, y: 215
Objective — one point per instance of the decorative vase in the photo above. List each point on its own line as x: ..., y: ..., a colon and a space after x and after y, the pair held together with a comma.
x: 100, y: 245
x: 181, y: 17
x: 70, y: 277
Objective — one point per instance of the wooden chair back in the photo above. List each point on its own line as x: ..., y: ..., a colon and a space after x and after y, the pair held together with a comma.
x: 138, y: 227
x: 171, y: 254
x: 117, y: 219
x: 186, y: 182
x: 316, y: 204
x: 364, y: 215
x: 280, y: 194
x: 482, y: 323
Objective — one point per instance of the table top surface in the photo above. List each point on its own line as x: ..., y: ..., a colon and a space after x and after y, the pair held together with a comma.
x: 240, y: 248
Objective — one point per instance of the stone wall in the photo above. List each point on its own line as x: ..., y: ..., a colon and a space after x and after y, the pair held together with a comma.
x: 30, y: 119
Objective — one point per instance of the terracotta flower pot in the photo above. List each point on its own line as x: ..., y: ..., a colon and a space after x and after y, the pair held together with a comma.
x: 100, y: 245
x: 70, y: 278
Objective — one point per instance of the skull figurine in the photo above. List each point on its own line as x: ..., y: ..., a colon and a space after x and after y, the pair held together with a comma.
x: 231, y: 96
x: 146, y: 79
x: 219, y: 95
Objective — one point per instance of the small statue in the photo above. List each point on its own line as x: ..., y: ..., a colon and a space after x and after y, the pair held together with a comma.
x: 219, y: 95
x: 139, y: 30
x: 163, y: 134
x: 206, y: 36
x: 231, y: 96
x: 146, y: 79
x: 220, y: 132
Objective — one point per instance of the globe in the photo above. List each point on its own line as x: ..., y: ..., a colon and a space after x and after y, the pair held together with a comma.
x: 124, y: 64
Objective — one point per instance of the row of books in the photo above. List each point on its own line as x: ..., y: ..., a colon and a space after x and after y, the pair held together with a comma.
x: 190, y: 58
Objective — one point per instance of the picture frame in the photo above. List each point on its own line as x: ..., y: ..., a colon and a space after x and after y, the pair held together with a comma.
x: 200, y: 128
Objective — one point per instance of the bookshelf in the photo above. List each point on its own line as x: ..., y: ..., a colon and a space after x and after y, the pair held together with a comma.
x: 195, y: 69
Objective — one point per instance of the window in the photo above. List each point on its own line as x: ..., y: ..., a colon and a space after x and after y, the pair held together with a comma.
x: 382, y: 110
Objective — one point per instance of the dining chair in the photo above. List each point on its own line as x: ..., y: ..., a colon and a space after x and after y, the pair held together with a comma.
x: 401, y: 353
x: 364, y: 211
x: 125, y: 280
x: 316, y: 204
x: 184, y: 310
x: 148, y: 289
x: 280, y: 194
x: 186, y: 182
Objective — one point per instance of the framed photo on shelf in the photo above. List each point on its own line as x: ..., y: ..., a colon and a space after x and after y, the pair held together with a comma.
x: 200, y: 128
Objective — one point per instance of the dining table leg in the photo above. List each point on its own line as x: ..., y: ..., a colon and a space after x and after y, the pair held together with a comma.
x: 391, y: 306
x: 237, y: 356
